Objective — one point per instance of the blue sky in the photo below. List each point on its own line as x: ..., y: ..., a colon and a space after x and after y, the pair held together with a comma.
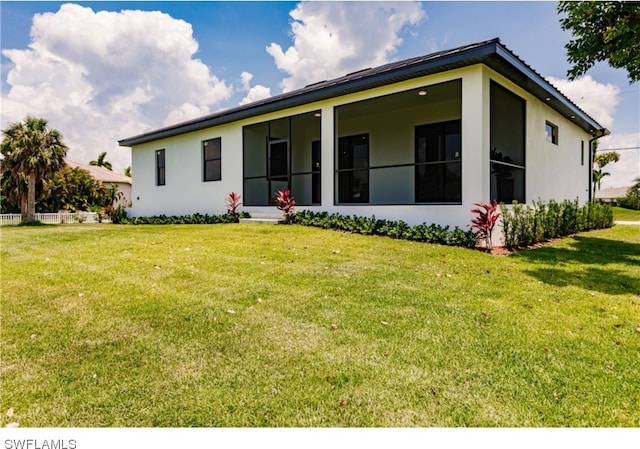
x: 246, y: 50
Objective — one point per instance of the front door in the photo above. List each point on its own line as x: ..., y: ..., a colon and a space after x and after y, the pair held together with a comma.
x: 278, y: 156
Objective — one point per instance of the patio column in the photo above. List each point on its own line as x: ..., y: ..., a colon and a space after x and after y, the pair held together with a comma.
x: 327, y: 156
x: 475, y: 137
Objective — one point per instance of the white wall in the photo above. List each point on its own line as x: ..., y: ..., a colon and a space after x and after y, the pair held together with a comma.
x: 184, y: 191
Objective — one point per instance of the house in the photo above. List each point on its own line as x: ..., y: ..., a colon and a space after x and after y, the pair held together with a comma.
x: 107, y: 177
x: 419, y: 140
x: 611, y: 195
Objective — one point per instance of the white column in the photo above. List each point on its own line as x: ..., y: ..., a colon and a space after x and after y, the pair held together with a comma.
x: 475, y: 137
x: 327, y: 157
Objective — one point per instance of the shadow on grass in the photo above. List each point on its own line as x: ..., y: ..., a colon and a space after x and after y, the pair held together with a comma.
x: 586, y: 263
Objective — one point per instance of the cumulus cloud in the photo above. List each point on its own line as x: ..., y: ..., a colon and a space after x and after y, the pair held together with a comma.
x: 596, y: 99
x: 102, y: 76
x: 255, y: 93
x: 600, y: 101
x: 331, y: 39
x: 623, y: 172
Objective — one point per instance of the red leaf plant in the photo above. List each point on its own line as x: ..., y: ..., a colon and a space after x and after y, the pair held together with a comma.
x: 487, y: 216
x: 286, y: 203
x: 233, y: 203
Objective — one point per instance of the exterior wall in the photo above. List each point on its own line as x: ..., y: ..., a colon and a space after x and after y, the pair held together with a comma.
x: 552, y: 171
x: 125, y: 188
x: 184, y: 191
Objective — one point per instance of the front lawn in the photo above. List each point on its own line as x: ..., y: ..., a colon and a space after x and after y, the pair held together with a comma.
x: 622, y: 214
x: 248, y: 325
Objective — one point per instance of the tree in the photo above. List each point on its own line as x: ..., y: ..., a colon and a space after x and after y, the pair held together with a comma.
x: 598, y: 175
x: 32, y: 153
x: 75, y: 190
x: 600, y: 160
x: 101, y: 161
x: 632, y: 199
x: 602, y: 31
x: 603, y: 159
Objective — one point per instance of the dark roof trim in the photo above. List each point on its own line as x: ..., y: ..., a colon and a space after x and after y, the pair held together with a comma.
x: 491, y: 53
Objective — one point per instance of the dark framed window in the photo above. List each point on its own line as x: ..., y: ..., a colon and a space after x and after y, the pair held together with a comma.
x: 160, y: 167
x: 551, y: 133
x: 438, y: 171
x: 353, y: 169
x: 212, y: 160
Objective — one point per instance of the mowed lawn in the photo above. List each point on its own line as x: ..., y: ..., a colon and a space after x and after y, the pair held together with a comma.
x: 249, y: 325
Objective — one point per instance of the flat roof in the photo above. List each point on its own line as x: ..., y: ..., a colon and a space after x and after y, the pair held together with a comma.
x: 492, y: 53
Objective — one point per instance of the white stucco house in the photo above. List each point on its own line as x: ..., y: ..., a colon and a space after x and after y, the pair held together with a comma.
x: 419, y: 140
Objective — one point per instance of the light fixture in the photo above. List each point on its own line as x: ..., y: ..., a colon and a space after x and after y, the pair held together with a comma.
x: 548, y: 98
x: 422, y: 93
x: 573, y: 116
x: 317, y: 114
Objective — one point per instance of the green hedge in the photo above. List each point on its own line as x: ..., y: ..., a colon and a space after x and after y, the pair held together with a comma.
x: 395, y: 229
x: 629, y: 202
x: 525, y: 225
x: 185, y: 219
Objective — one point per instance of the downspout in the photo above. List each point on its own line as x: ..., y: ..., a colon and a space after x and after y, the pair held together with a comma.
x: 592, y: 154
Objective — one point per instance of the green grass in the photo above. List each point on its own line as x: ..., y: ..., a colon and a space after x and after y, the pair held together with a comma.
x: 247, y: 325
x: 622, y: 214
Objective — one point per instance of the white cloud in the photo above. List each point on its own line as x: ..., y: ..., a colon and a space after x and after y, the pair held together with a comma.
x: 102, y: 76
x: 331, y: 39
x: 623, y: 172
x: 255, y: 93
x: 600, y: 102
x: 596, y: 99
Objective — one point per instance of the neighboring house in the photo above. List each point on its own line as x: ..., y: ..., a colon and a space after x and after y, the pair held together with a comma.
x: 108, y: 178
x: 611, y: 195
x: 419, y: 140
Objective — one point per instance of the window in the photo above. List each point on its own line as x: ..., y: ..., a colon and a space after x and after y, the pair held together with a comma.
x: 551, y: 133
x: 212, y: 159
x: 160, y: 168
x: 353, y: 169
x: 438, y: 171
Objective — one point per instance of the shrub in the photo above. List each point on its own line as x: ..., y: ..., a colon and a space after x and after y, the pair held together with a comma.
x: 117, y: 214
x: 286, y: 203
x: 233, y: 203
x: 526, y: 225
x: 387, y: 228
x: 186, y: 219
x: 629, y: 203
x: 486, y: 218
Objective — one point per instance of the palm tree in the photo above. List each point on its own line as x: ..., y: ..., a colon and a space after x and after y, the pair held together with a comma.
x: 32, y: 152
x: 127, y: 171
x: 101, y: 162
x: 597, y: 179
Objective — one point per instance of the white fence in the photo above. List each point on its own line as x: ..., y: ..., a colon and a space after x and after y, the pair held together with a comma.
x: 56, y: 218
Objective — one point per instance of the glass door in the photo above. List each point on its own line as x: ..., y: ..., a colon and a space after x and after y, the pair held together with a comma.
x: 278, y: 166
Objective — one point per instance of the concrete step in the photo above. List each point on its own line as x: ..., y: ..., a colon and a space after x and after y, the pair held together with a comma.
x: 264, y: 218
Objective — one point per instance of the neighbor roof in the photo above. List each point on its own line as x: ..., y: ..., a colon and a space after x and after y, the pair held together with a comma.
x: 612, y: 193
x: 100, y: 173
x: 492, y: 53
